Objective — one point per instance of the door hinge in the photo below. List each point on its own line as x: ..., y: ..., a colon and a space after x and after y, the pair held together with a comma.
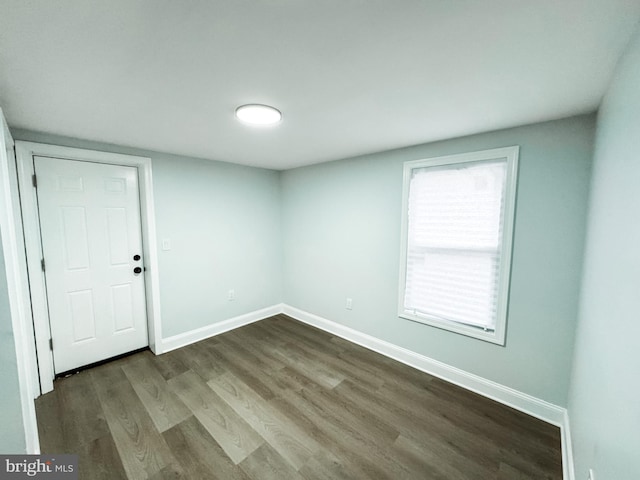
x: 34, y: 181
x: 42, y: 264
x: 51, y: 344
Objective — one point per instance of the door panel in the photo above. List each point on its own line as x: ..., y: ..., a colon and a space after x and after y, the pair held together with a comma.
x: 121, y: 303
x: 82, y: 316
x: 117, y: 236
x: 90, y: 225
x: 74, y: 237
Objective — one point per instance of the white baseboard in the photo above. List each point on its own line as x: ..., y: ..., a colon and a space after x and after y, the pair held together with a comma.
x: 520, y: 401
x: 568, y: 471
x: 193, y: 336
x: 523, y: 402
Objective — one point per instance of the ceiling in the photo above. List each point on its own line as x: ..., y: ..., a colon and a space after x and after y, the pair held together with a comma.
x: 350, y: 76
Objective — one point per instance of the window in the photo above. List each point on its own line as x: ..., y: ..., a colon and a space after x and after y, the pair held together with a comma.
x: 456, y: 241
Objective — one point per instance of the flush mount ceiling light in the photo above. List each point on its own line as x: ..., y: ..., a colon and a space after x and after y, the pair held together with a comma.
x: 258, y: 115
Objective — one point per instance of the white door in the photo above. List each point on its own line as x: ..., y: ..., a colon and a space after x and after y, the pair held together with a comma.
x: 90, y: 226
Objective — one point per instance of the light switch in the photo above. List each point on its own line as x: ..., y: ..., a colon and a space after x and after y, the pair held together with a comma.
x: 166, y: 244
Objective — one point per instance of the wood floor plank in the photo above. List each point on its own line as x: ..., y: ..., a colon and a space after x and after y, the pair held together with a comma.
x: 253, y: 350
x: 525, y: 442
x: 76, y: 394
x: 520, y: 460
x: 336, y: 366
x: 370, y: 438
x: 387, y: 412
x: 172, y: 471
x: 325, y: 466
x: 267, y: 464
x: 288, y: 379
x: 433, y: 459
x: 232, y: 433
x: 245, y: 370
x: 349, y: 412
x: 280, y: 399
x: 163, y: 406
x: 342, y: 439
x: 291, y: 442
x: 410, y: 413
x: 168, y: 364
x: 505, y: 416
x: 462, y: 427
x: 200, y: 359
x: 142, y: 449
x: 391, y: 370
x: 100, y: 460
x: 307, y: 335
x: 319, y: 373
x: 200, y: 456
x: 508, y: 472
x: 303, y: 330
x: 50, y: 417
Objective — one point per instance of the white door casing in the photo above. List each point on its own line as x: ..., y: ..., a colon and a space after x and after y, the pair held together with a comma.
x: 25, y: 151
x: 90, y: 226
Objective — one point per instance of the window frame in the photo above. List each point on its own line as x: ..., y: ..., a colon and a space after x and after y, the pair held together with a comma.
x: 511, y: 154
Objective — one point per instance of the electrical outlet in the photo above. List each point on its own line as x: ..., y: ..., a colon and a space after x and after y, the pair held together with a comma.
x: 592, y: 476
x: 231, y: 295
x: 349, y: 305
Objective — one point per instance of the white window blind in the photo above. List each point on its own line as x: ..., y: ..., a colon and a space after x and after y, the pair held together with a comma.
x: 455, y: 245
x: 455, y: 227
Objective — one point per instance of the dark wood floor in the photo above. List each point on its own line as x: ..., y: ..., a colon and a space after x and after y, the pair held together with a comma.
x: 281, y: 400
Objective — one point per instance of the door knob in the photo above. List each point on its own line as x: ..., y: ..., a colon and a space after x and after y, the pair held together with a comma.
x: 136, y: 257
x: 137, y: 270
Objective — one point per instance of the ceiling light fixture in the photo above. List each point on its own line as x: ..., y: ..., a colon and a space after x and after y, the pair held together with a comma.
x: 258, y: 115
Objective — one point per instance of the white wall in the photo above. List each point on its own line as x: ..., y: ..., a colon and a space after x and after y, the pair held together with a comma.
x: 604, y: 402
x: 341, y: 227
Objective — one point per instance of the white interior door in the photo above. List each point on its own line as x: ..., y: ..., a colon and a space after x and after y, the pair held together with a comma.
x: 92, y: 245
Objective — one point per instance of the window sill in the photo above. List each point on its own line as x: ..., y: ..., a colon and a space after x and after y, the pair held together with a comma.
x: 497, y: 337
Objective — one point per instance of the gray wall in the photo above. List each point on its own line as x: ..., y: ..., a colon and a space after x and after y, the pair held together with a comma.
x: 604, y: 405
x: 341, y: 234
x: 12, y: 439
x: 224, y: 224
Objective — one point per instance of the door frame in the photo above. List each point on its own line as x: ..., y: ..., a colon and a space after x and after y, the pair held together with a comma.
x: 25, y: 151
